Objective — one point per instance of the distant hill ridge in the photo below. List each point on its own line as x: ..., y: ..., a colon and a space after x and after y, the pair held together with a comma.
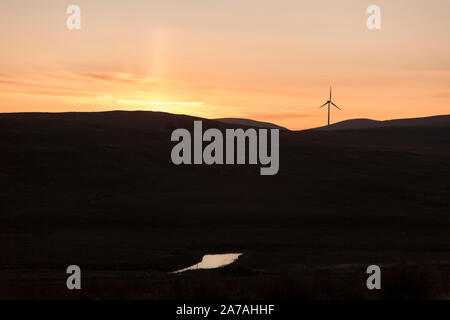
x: 250, y: 123
x: 161, y: 121
x: 434, y: 121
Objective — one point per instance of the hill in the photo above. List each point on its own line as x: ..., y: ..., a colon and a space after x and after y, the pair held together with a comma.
x: 99, y: 190
x: 250, y: 123
x: 434, y: 121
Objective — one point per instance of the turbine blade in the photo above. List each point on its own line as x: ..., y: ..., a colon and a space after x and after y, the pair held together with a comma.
x: 336, y: 106
x: 330, y: 92
x: 323, y: 105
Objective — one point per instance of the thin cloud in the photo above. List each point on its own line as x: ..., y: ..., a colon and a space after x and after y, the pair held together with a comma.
x: 444, y: 95
x: 116, y: 77
x: 34, y: 85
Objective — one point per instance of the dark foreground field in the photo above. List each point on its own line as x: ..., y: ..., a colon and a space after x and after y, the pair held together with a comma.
x: 99, y: 190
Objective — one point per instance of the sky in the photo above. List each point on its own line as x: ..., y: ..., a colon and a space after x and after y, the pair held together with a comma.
x: 265, y: 60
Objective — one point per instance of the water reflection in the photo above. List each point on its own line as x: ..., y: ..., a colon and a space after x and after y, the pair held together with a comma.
x: 213, y: 261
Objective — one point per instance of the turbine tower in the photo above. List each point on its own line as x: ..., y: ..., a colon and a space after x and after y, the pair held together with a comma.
x: 329, y: 103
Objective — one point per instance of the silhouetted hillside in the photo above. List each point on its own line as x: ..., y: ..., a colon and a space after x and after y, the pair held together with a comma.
x: 99, y: 190
x: 435, y: 121
x: 134, y: 120
x: 250, y: 123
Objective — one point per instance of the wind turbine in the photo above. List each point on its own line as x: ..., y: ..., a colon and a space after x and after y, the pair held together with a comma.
x: 329, y: 103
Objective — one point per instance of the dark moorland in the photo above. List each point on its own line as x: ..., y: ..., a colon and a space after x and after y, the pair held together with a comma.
x: 99, y: 190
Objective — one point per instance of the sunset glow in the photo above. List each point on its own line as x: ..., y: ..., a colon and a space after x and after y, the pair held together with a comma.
x: 264, y: 60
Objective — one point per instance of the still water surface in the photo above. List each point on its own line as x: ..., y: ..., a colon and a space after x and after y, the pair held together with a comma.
x: 213, y: 261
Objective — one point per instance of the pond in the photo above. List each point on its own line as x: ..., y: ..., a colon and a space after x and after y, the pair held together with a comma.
x: 213, y: 261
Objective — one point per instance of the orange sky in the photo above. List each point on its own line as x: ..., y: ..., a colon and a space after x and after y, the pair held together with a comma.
x: 265, y: 60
